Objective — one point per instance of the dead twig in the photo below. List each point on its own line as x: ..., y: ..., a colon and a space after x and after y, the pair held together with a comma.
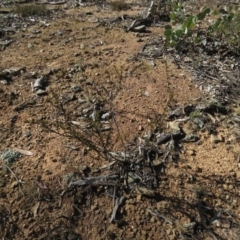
x: 157, y: 214
x: 117, y: 205
x: 18, y: 181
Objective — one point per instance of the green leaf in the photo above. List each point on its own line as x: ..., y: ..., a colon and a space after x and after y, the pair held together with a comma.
x: 223, y: 11
x: 179, y: 33
x: 203, y: 14
x: 196, y: 39
x: 186, y: 30
x: 207, y: 11
x: 172, y: 43
x: 168, y: 34
x: 193, y: 23
x: 172, y: 16
x: 187, y: 23
x: 168, y: 27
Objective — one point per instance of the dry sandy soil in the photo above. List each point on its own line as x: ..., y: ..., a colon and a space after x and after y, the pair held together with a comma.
x: 74, y: 50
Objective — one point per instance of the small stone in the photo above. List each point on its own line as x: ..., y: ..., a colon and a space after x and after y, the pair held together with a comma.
x: 27, y: 134
x: 233, y: 174
x: 214, y: 138
x: 76, y: 89
x: 190, y: 152
x: 47, y: 71
x: 14, y: 184
x: 163, y: 205
x: 41, y: 92
x: 139, y: 198
x: 157, y: 162
x: 140, y: 128
x: 187, y: 60
x: 174, y: 125
x: 152, y: 220
x: 4, y: 82
x: 225, y: 186
x: 89, y: 81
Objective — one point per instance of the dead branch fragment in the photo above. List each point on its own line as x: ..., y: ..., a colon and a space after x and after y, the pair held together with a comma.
x: 118, y: 203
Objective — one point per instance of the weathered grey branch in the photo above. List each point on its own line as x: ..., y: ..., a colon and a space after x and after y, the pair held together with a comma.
x: 117, y: 205
x: 134, y: 27
x: 100, y: 180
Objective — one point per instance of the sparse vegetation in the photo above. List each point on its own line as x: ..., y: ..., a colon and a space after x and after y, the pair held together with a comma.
x: 30, y: 10
x: 224, y: 30
x: 121, y: 142
x: 195, y: 114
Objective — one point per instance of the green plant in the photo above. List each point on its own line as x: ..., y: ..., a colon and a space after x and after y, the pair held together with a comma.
x: 195, y: 114
x: 177, y: 11
x: 31, y: 10
x: 223, y: 30
x: 227, y: 30
x: 185, y: 30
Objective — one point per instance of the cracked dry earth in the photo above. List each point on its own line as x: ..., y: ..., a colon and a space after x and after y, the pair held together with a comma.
x: 74, y: 51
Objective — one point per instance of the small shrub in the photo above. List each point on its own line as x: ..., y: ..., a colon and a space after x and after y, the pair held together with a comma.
x: 31, y: 10
x: 119, y: 6
x: 229, y: 32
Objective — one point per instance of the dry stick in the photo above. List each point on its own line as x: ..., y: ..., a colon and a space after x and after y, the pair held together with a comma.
x: 157, y: 214
x: 19, y: 186
x: 200, y: 212
x: 142, y: 19
x: 118, y: 131
x: 117, y: 205
x: 114, y: 193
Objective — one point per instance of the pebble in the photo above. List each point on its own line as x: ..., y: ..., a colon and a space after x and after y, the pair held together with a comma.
x: 190, y: 152
x: 139, y: 198
x: 152, y: 220
x: 14, y: 184
x: 214, y: 138
x: 41, y: 92
x: 76, y: 89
